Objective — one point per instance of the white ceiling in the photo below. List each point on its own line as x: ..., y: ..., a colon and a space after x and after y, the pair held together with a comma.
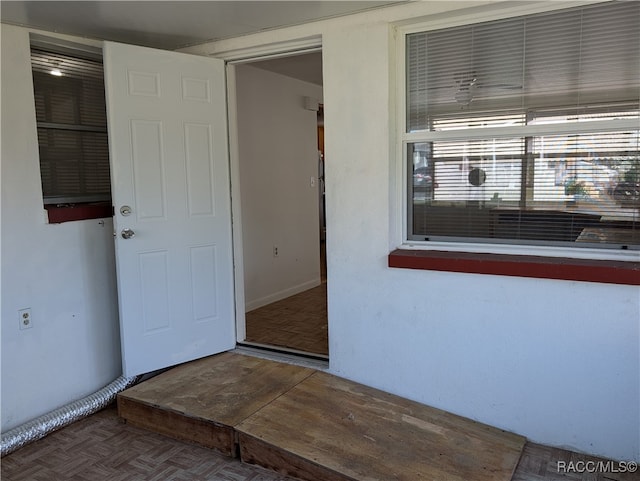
x: 174, y: 24
x: 171, y: 24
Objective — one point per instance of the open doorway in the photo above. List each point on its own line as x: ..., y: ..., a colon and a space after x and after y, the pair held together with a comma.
x: 280, y: 179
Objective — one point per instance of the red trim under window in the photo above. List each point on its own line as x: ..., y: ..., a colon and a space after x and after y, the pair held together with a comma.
x: 613, y: 272
x: 67, y: 213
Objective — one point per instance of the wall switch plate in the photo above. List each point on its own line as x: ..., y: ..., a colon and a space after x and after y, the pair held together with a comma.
x: 24, y: 318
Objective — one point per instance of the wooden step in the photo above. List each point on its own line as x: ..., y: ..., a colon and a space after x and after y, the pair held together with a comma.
x: 203, y: 400
x: 315, y: 426
x: 328, y: 428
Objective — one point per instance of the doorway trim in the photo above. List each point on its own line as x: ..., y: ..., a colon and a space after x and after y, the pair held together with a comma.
x: 270, y: 50
x: 233, y: 58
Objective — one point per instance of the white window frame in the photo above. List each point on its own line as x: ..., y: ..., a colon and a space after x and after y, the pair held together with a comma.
x: 402, y: 138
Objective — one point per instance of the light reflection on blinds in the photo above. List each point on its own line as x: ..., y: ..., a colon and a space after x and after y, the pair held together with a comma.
x: 584, y: 114
x: 445, y: 123
x: 479, y: 149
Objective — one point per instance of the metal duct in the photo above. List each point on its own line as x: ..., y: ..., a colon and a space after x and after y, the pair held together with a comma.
x: 47, y: 423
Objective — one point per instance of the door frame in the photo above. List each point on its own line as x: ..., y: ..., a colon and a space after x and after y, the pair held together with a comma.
x: 233, y: 58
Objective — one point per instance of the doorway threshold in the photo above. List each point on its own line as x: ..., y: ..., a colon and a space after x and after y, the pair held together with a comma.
x: 283, y: 354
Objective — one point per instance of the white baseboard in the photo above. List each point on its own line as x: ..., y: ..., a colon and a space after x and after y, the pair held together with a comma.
x: 277, y: 296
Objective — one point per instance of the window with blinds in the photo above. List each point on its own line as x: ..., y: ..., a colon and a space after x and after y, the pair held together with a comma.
x: 72, y: 127
x: 527, y: 130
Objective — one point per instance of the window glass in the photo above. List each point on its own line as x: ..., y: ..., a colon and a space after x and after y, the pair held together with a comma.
x: 558, y: 97
x: 72, y: 127
x: 575, y: 57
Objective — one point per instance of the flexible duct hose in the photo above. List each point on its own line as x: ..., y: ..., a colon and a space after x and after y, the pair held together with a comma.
x: 47, y: 423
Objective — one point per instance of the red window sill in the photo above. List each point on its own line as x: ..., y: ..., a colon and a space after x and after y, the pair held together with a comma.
x: 68, y: 213
x: 612, y: 272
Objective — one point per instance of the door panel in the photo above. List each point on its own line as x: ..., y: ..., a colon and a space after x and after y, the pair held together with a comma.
x: 199, y: 156
x: 169, y: 162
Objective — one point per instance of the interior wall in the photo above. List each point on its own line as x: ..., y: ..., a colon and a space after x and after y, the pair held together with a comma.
x: 278, y: 156
x: 65, y: 273
x: 556, y: 361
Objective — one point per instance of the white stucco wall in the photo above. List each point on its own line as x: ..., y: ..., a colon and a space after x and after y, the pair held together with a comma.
x: 65, y: 273
x: 278, y: 155
x: 556, y: 361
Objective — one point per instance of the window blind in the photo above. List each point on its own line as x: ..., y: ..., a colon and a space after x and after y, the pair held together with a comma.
x: 556, y: 166
x: 573, y: 58
x: 72, y: 127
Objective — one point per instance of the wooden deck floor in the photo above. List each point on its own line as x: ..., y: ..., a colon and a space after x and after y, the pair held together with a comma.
x: 314, y: 426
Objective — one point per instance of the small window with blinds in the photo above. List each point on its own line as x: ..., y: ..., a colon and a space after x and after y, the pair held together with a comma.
x: 72, y: 129
x: 526, y: 130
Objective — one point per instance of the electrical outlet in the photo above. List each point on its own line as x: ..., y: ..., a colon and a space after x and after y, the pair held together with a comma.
x: 275, y: 251
x: 24, y: 318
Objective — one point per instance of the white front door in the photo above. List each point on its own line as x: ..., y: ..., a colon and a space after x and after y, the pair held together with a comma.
x: 170, y: 187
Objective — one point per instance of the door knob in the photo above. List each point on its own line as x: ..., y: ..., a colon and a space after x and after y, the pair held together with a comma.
x: 127, y: 233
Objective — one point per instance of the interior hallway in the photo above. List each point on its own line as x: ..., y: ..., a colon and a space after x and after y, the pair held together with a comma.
x: 298, y: 322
